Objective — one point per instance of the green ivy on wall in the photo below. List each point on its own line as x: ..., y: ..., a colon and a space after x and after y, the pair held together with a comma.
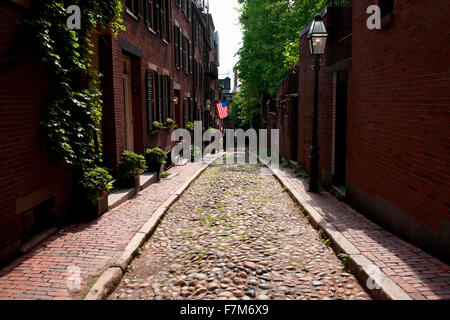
x: 73, y: 109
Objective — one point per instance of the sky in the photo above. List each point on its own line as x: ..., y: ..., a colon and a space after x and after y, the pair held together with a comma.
x: 226, y: 21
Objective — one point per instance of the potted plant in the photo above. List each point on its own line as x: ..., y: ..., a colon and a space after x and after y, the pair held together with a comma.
x: 157, y: 125
x: 131, y: 165
x: 190, y: 126
x: 170, y: 122
x: 155, y: 159
x: 95, y: 184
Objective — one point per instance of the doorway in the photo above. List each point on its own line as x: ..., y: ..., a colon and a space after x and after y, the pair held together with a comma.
x: 340, y: 132
x: 127, y: 102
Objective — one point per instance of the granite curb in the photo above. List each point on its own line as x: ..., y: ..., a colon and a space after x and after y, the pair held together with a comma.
x: 111, y: 277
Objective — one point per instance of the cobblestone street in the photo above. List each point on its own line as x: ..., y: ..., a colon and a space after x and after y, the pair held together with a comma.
x: 236, y: 234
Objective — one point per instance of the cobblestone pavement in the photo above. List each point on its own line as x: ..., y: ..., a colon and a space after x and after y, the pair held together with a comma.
x: 44, y: 273
x: 235, y: 234
x: 419, y: 274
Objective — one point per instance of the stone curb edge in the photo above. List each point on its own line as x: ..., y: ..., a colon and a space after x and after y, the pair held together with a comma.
x: 111, y: 277
x: 358, y: 264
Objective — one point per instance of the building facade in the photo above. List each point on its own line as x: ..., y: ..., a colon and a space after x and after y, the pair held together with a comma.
x: 162, y: 68
x: 383, y: 116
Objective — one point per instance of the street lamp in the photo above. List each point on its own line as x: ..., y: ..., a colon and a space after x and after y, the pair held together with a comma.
x: 317, y: 39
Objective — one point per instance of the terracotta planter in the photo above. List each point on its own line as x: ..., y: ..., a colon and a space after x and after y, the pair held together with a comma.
x: 137, y: 182
x: 102, y: 205
x: 86, y: 210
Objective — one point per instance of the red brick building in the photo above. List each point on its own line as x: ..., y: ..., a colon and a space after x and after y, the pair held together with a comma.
x: 383, y: 115
x: 161, y: 67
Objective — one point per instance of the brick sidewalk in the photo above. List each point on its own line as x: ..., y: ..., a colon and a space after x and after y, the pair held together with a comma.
x: 419, y: 275
x: 43, y: 273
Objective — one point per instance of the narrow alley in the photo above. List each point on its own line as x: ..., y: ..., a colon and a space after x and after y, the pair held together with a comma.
x: 236, y: 233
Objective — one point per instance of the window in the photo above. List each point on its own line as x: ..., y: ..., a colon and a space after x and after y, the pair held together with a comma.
x: 195, y: 73
x: 135, y: 7
x: 184, y: 53
x: 183, y: 6
x: 149, y: 16
x: 176, y: 41
x: 169, y: 20
x: 189, y: 67
x: 387, y: 7
x: 157, y: 15
x: 151, y: 99
x: 159, y: 98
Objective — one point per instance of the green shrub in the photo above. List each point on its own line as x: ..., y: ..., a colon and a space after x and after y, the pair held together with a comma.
x: 155, y: 158
x: 131, y: 164
x: 190, y: 126
x: 195, y: 151
x: 165, y: 174
x: 157, y: 125
x: 96, y: 183
x: 170, y: 121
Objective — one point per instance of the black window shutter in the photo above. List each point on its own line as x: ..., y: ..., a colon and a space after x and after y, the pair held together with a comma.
x: 159, y: 98
x: 139, y: 8
x: 164, y: 99
x: 183, y: 54
x: 162, y: 18
x: 180, y: 48
x: 157, y: 14
x: 190, y: 58
x: 170, y: 89
x: 169, y: 20
x: 175, y: 44
x: 148, y: 12
x: 150, y: 100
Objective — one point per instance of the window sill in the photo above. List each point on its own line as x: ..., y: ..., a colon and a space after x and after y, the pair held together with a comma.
x: 132, y: 14
x: 165, y: 41
x: 152, y: 31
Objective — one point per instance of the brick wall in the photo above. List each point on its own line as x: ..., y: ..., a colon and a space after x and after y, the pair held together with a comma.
x: 27, y: 176
x: 398, y: 120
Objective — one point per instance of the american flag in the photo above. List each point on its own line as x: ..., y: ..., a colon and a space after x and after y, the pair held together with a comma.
x: 222, y: 108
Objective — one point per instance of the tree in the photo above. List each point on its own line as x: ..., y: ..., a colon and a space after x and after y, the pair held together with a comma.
x: 269, y: 50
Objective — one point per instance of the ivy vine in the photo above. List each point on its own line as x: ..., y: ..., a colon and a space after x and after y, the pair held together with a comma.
x: 73, y: 110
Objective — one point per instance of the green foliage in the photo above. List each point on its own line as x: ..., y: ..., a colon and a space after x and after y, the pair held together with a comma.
x: 170, y: 121
x: 344, y: 259
x: 284, y: 162
x: 190, y: 126
x: 131, y: 164
x: 195, y: 151
x: 299, y: 172
x: 157, y: 125
x: 96, y: 183
x: 155, y: 158
x: 270, y: 48
x: 72, y: 112
x: 165, y: 174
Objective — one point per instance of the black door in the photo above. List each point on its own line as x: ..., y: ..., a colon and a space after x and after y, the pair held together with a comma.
x: 340, y: 149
